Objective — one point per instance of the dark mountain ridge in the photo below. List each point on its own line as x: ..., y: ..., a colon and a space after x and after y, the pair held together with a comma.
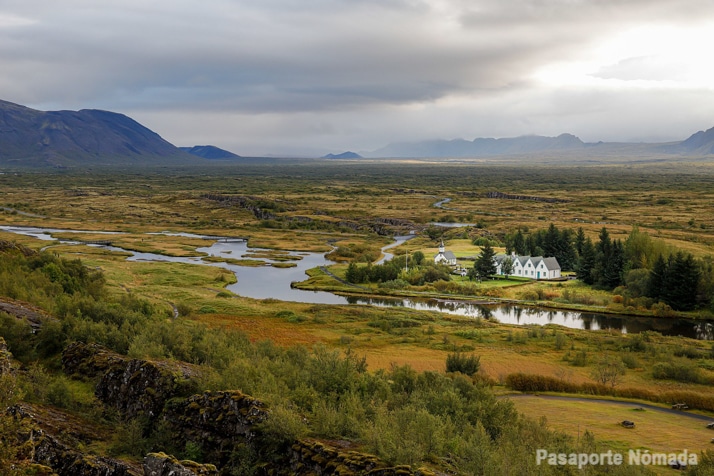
x: 344, y: 155
x: 210, y: 152
x: 29, y: 137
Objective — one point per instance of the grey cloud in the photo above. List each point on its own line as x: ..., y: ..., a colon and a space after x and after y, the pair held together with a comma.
x: 374, y: 69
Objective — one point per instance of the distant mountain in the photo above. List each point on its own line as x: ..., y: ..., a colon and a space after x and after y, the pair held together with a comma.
x: 480, y: 147
x: 701, y: 143
x: 210, y: 152
x: 343, y: 155
x: 88, y: 137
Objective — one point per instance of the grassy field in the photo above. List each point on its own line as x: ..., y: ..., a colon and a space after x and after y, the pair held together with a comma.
x: 308, y: 207
x: 655, y: 431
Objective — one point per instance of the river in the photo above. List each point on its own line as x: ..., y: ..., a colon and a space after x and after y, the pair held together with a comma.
x: 269, y: 282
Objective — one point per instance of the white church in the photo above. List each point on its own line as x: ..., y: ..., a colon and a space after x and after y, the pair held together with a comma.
x: 445, y: 257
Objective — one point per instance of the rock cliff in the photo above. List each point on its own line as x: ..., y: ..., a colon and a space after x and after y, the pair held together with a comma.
x: 133, y: 387
x: 218, y: 422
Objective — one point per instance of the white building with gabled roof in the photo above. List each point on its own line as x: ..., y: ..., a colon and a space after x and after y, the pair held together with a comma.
x: 445, y: 257
x: 534, y: 267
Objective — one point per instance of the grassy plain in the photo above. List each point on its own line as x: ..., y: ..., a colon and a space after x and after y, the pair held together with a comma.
x: 316, y: 206
x: 654, y: 430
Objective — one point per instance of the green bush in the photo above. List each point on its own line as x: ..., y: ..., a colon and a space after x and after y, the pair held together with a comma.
x: 681, y: 371
x: 466, y: 364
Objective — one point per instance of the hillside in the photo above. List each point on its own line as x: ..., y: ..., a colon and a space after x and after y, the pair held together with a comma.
x: 29, y: 137
x: 701, y: 143
x: 344, y: 155
x: 210, y: 152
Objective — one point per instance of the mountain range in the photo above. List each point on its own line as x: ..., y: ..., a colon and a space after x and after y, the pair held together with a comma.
x: 699, y: 144
x: 88, y: 137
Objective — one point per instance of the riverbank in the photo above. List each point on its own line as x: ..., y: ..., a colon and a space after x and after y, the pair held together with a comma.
x: 331, y: 279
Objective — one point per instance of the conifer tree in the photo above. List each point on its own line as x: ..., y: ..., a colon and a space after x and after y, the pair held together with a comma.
x: 586, y: 262
x: 485, y: 265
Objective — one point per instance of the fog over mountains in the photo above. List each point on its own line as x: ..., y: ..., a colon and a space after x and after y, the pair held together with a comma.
x: 699, y: 144
x: 93, y: 137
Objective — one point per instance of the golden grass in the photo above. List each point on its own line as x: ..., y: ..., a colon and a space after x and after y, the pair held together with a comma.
x: 654, y: 430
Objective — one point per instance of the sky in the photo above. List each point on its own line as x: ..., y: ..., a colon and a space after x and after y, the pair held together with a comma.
x: 308, y: 77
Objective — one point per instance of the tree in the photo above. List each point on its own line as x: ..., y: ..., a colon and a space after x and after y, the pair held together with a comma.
x: 682, y: 281
x: 418, y: 257
x: 608, y: 370
x: 658, y: 276
x: 434, y: 232
x: 580, y: 241
x: 519, y: 244
x: 507, y: 266
x: 586, y: 262
x: 485, y: 265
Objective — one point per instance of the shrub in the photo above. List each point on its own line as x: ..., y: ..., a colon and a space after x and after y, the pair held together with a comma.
x: 580, y: 359
x: 630, y: 361
x: 466, y: 364
x: 679, y: 371
x: 560, y: 340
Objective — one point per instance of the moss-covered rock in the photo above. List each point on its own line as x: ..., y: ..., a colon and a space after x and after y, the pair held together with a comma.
x: 308, y: 457
x: 161, y: 464
x: 51, y: 455
x: 216, y: 421
x: 90, y: 361
x: 132, y: 386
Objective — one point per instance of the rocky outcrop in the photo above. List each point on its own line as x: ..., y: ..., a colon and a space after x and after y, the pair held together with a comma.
x: 90, y: 361
x: 49, y: 452
x: 161, y: 464
x: 132, y: 386
x: 66, y: 461
x: 22, y: 310
x: 217, y: 421
x: 12, y: 246
x: 315, y: 458
x: 508, y: 196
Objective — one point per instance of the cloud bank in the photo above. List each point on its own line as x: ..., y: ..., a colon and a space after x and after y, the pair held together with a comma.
x: 303, y: 77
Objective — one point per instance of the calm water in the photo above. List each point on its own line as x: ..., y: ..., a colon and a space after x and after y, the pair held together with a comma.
x: 268, y: 282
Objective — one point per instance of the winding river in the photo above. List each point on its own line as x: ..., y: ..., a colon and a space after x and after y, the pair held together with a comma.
x: 270, y: 282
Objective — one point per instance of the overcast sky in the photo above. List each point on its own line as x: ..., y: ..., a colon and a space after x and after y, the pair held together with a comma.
x: 262, y: 77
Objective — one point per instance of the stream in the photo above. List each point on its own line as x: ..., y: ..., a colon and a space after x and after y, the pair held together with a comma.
x: 264, y: 282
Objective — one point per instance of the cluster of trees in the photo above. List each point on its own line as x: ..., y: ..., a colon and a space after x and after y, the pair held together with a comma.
x: 640, y: 265
x: 560, y: 244
x: 414, y: 270
x: 644, y: 267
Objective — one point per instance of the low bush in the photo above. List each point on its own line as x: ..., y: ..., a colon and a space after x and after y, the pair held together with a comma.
x: 466, y: 364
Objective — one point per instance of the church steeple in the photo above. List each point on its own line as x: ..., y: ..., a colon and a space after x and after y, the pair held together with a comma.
x: 442, y: 248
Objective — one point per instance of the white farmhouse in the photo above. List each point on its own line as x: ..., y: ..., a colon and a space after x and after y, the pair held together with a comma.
x: 534, y: 267
x: 445, y: 257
